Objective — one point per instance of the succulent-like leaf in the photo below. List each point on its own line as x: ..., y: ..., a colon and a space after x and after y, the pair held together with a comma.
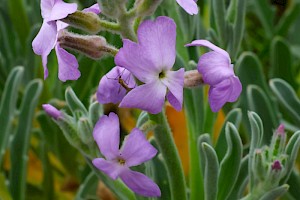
x: 20, y: 143
x: 275, y: 193
x: 74, y: 103
x: 231, y: 163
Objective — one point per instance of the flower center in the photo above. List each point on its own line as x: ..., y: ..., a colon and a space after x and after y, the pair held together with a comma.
x: 121, y: 161
x: 162, y: 75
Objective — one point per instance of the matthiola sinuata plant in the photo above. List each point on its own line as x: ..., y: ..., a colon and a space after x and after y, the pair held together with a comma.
x: 143, y: 79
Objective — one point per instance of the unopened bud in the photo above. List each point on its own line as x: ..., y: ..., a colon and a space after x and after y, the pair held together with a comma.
x: 280, y: 130
x: 276, y: 166
x: 146, y: 7
x: 52, y: 111
x: 94, y: 47
x: 192, y: 79
x: 85, y: 131
x: 86, y: 21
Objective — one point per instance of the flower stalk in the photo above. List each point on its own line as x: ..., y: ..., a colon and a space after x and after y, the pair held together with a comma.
x: 166, y: 144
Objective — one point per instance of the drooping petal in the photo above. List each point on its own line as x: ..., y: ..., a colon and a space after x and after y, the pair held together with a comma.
x: 67, y: 65
x: 44, y: 42
x: 133, y: 57
x: 111, y: 168
x: 174, y: 81
x: 149, y: 97
x: 226, y: 91
x: 214, y: 67
x: 106, y: 133
x: 190, y: 6
x: 61, y: 10
x: 136, y: 148
x: 158, y: 41
x: 210, y: 45
x: 61, y: 25
x: 110, y: 90
x: 140, y: 184
x: 94, y: 8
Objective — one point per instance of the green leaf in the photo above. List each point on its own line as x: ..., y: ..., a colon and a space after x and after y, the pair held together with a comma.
x: 294, y: 183
x: 231, y: 163
x: 219, y: 17
x: 275, y: 193
x: 255, y: 142
x: 88, y: 187
x: 211, y: 171
x: 288, y: 18
x: 281, y: 60
x: 203, y: 138
x: 258, y: 102
x: 19, y: 20
x: 241, y: 182
x: 73, y: 102
x: 235, y: 117
x: 292, y: 151
x: 239, y: 26
x: 266, y: 16
x: 7, y: 106
x: 287, y: 97
x: 20, y: 142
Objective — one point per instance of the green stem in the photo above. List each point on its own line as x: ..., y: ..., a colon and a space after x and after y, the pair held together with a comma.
x: 165, y: 141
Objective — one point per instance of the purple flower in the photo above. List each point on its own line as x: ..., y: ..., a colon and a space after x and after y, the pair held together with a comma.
x: 217, y: 71
x: 134, y: 151
x: 190, y: 6
x: 46, y: 39
x: 150, y: 60
x: 52, y: 111
x: 110, y: 90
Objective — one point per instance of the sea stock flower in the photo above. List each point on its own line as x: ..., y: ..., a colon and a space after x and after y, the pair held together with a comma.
x: 217, y: 71
x: 135, y: 150
x: 114, y: 85
x: 46, y: 39
x: 150, y: 61
x: 190, y: 6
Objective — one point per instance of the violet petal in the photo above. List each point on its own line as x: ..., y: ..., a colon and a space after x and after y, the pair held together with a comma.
x: 111, y: 168
x: 174, y: 81
x: 106, y: 133
x: 214, y: 67
x: 137, y: 149
x: 140, y: 184
x: 61, y: 10
x: 110, y: 90
x: 149, y: 97
x: 94, y: 9
x: 190, y: 6
x: 67, y: 65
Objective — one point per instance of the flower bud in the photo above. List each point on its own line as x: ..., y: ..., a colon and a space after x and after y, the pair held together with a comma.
x: 52, y: 111
x: 278, y: 141
x: 85, y: 131
x: 192, y: 79
x: 146, y: 7
x: 94, y: 47
x: 276, y: 166
x: 86, y: 21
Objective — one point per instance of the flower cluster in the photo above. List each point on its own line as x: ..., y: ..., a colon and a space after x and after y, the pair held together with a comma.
x: 52, y: 12
x: 142, y: 78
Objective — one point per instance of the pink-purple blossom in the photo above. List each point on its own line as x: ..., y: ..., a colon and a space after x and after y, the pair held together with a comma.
x: 52, y: 111
x: 135, y: 150
x: 217, y: 71
x: 190, y: 6
x: 46, y: 39
x: 150, y: 61
x: 110, y: 88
